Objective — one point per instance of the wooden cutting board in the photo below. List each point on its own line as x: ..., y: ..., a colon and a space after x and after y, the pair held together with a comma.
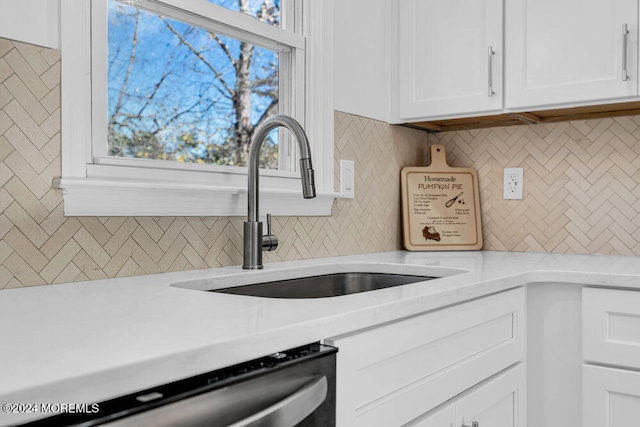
x: 440, y: 206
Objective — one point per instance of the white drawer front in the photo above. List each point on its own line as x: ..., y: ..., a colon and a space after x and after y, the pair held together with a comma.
x: 497, y: 402
x: 611, y: 326
x: 611, y: 397
x: 390, y: 375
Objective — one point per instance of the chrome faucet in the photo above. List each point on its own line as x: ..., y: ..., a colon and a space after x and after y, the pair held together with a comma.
x: 254, y: 241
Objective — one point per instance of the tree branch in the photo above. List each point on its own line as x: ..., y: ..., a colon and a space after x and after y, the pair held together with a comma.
x: 215, y: 72
x: 224, y: 48
x: 123, y: 89
x: 268, y: 13
x: 181, y: 113
x: 271, y: 110
x: 166, y: 73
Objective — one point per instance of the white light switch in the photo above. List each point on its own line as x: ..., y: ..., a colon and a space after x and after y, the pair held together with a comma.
x: 347, y: 179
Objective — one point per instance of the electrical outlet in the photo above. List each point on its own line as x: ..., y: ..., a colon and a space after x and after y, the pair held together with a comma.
x: 513, y: 183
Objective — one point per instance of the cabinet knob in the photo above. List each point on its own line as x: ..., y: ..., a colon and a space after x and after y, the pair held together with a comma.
x: 473, y: 424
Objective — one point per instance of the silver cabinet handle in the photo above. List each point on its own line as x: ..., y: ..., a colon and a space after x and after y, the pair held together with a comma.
x: 473, y: 424
x: 491, y: 54
x: 625, y: 40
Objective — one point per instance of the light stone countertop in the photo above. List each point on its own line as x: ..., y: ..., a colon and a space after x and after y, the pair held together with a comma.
x: 90, y: 341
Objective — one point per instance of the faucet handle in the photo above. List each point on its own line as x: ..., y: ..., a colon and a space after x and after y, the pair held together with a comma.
x: 269, y: 241
x: 268, y: 224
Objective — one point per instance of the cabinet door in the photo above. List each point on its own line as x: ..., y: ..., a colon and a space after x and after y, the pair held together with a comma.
x: 611, y: 326
x: 569, y: 51
x: 444, y: 62
x: 440, y: 417
x: 394, y: 373
x: 500, y: 402
x: 611, y: 397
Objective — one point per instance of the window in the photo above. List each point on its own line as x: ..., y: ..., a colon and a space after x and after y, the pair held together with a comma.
x: 179, y: 92
x: 159, y: 108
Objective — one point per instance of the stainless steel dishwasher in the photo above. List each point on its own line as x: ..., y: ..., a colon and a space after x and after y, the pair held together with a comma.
x: 286, y: 389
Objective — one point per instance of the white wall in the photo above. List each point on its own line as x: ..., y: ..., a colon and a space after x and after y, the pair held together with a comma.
x: 362, y: 57
x: 31, y: 21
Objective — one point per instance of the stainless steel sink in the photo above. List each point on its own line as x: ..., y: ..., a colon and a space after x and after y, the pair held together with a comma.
x: 322, y: 286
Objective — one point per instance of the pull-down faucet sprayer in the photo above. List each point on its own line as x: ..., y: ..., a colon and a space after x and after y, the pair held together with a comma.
x: 254, y: 241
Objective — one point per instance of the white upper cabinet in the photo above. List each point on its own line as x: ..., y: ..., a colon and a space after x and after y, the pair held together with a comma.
x: 362, y: 60
x: 569, y: 51
x: 33, y: 21
x: 449, y: 58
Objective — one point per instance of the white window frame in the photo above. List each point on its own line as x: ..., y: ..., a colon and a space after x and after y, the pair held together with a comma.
x: 99, y: 186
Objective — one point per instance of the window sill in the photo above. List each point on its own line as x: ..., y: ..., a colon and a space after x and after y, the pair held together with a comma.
x: 97, y: 197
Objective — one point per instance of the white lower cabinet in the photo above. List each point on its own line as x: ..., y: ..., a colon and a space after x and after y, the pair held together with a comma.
x: 611, y: 397
x: 611, y: 326
x: 498, y: 402
x: 611, y: 336
x: 444, y: 416
x: 393, y: 374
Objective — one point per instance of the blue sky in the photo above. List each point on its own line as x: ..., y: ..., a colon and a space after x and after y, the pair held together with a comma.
x: 180, y: 80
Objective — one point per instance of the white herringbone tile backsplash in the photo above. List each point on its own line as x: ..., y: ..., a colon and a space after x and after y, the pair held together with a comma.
x: 581, y: 192
x: 38, y: 245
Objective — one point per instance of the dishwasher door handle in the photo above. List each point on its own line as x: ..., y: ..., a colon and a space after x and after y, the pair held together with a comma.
x: 266, y: 401
x: 292, y: 409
